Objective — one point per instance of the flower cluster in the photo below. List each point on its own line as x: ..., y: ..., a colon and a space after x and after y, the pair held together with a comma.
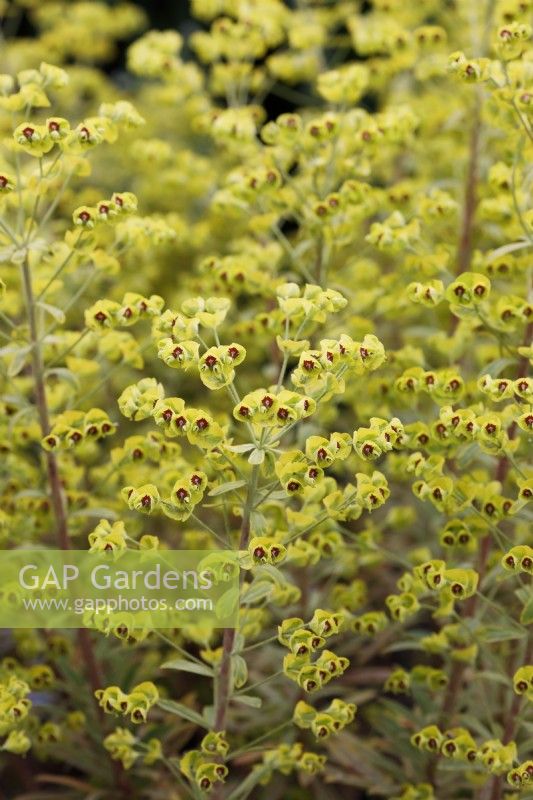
x: 123, y: 746
x: 303, y: 641
x: 203, y: 767
x: 324, y: 723
x: 136, y: 703
x: 294, y: 253
x: 71, y: 428
x: 458, y: 744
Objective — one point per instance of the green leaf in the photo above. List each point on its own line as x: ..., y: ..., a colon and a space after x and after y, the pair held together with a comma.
x: 463, y: 312
x: 496, y: 367
x: 240, y: 671
x: 258, y: 523
x: 64, y: 374
x: 502, y: 633
x: 257, y: 456
x: 257, y: 591
x: 18, y: 362
x: 227, y: 603
x: 277, y: 576
x: 248, y: 700
x: 526, y: 617
x: 523, y: 594
x: 57, y: 313
x: 209, y: 716
x: 405, y: 644
x: 226, y: 487
x: 29, y: 493
x: 9, y: 349
x: 188, y: 666
x: 14, y: 419
x: 182, y: 711
x: 240, y: 448
x: 495, y: 677
x: 508, y: 248
x: 466, y: 454
x: 303, y: 247
x: 18, y: 255
x: 279, y: 495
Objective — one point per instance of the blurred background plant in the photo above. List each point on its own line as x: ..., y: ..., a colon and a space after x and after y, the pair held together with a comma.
x: 323, y: 210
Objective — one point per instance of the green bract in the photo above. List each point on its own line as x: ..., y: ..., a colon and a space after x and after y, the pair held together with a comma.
x: 270, y: 297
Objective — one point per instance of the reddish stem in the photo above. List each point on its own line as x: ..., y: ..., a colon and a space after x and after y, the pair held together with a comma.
x: 54, y: 479
x: 464, y: 253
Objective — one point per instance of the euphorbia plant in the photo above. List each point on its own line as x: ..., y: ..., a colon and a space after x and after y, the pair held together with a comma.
x: 319, y: 330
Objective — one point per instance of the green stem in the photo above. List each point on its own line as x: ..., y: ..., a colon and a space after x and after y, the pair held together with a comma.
x: 211, y: 531
x: 176, y: 647
x: 189, y: 790
x: 247, y: 689
x: 35, y: 204
x: 65, y: 353
x: 8, y: 322
x: 110, y: 372
x: 7, y: 230
x: 259, y: 739
x: 53, y: 205
x: 242, y: 791
x: 61, y: 267
x: 258, y: 644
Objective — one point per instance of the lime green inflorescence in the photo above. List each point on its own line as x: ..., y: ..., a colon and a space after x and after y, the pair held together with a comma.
x: 270, y: 292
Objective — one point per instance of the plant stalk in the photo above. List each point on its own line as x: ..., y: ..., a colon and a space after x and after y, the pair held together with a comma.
x: 54, y: 479
x: 464, y: 253
x: 224, y: 678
